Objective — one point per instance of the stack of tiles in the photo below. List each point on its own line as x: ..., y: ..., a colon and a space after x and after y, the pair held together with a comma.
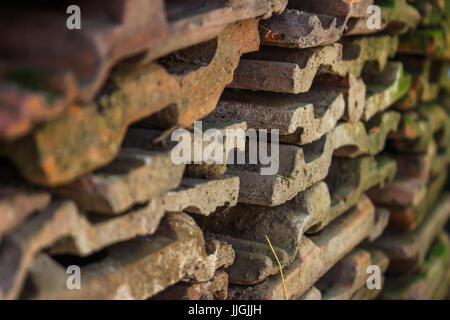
x: 328, y: 93
x: 417, y: 247
x: 89, y: 181
x: 91, y: 191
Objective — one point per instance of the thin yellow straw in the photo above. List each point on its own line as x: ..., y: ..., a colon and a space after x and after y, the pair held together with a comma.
x: 279, y: 265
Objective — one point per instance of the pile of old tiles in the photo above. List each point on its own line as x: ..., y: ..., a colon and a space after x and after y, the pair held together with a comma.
x: 87, y: 177
x: 417, y: 247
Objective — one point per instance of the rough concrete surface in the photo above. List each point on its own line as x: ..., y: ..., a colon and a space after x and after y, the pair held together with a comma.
x: 301, y: 167
x: 139, y: 268
x: 317, y: 254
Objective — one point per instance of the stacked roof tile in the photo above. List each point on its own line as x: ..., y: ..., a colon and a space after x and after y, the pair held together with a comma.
x: 88, y: 177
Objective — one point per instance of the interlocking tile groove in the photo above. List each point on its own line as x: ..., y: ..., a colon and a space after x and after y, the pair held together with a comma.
x: 301, y: 167
x: 308, y: 116
x: 301, y: 29
x: 293, y: 70
x: 134, y: 177
x: 297, y: 27
x: 89, y: 136
x: 202, y: 196
x: 139, y: 268
x: 354, y: 90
